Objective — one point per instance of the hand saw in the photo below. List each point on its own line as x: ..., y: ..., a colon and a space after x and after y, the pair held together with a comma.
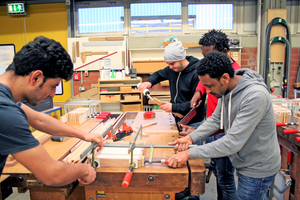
x: 187, y: 118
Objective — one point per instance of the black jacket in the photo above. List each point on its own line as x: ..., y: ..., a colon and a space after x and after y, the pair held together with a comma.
x: 187, y: 83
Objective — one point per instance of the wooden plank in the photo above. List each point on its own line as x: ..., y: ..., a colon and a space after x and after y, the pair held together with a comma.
x: 149, y: 66
x: 105, y: 39
x: 77, y: 49
x: 119, y: 157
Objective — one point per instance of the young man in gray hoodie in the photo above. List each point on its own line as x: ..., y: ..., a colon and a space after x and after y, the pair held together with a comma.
x: 246, y: 113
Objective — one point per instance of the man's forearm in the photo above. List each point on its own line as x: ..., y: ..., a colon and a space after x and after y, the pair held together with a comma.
x: 66, y: 174
x: 52, y: 126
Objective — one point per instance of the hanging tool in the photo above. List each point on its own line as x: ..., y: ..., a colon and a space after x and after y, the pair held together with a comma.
x: 90, y: 53
x: 267, y: 59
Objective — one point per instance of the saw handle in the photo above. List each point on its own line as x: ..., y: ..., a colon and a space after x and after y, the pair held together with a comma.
x: 127, y: 179
x: 290, y: 131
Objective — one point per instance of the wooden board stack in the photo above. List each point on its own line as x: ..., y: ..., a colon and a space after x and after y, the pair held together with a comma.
x: 281, y: 113
x: 77, y: 116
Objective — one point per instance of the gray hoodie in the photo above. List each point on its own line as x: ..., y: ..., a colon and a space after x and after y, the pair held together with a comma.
x: 247, y: 116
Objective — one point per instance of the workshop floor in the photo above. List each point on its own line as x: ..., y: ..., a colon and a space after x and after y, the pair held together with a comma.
x: 210, y: 193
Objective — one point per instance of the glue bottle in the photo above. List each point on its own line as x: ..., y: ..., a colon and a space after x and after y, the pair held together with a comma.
x: 113, y: 74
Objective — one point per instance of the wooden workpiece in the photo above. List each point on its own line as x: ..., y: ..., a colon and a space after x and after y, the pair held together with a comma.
x: 167, y: 181
x: 158, y: 102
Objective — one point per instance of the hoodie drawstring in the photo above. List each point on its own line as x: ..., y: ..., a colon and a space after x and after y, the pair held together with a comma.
x: 229, y: 111
x: 221, y: 123
x: 177, y: 87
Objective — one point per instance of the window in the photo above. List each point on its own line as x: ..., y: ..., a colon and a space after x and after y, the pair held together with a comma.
x: 7, y: 53
x: 101, y: 19
x: 135, y: 17
x: 210, y: 16
x: 156, y: 17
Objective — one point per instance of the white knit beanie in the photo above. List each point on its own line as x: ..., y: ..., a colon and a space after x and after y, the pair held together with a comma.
x: 174, y: 52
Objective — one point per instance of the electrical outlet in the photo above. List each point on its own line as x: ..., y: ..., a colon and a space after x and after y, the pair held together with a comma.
x: 81, y: 89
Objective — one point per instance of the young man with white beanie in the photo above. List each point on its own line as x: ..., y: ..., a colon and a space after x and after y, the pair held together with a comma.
x: 183, y: 80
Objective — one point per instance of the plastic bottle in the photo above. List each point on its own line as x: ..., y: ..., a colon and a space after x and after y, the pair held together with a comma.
x: 113, y: 74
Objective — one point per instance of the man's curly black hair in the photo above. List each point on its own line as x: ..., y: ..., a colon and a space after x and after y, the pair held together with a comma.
x: 215, y: 38
x: 43, y: 54
x: 215, y: 64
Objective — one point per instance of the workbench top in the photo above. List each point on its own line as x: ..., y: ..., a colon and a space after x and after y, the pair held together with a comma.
x: 167, y: 181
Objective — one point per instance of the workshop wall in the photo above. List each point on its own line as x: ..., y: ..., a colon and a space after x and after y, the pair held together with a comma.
x: 249, y: 60
x: 49, y: 20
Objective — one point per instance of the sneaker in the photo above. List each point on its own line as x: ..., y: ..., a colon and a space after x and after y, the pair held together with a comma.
x: 182, y: 194
x: 193, y: 197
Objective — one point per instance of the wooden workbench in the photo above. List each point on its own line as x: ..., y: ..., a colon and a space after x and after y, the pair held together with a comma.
x: 288, y: 144
x: 166, y: 181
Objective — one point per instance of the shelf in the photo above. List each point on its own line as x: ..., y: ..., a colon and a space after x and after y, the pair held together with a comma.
x: 113, y: 95
x: 122, y: 101
x: 104, y: 93
x: 116, y: 85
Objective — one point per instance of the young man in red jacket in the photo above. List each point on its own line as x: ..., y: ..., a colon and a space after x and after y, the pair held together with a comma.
x: 216, y: 41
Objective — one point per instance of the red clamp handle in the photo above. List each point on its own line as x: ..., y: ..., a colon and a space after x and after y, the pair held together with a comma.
x: 280, y: 124
x: 289, y: 157
x: 297, y: 139
x: 164, y: 161
x: 290, y: 131
x: 127, y: 179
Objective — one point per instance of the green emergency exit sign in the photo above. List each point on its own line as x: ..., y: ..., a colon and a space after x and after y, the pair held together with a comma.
x: 16, y: 8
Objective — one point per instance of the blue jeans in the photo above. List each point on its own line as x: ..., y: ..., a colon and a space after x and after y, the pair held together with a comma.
x: 253, y: 188
x: 195, y: 126
x: 224, y: 172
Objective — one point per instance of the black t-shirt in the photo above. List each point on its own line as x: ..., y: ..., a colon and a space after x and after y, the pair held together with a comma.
x: 15, y: 135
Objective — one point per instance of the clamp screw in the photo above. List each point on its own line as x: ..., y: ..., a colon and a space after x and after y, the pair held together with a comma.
x: 20, y: 178
x: 150, y: 178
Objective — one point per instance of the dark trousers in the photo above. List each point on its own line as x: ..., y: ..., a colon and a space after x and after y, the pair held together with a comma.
x: 224, y: 173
